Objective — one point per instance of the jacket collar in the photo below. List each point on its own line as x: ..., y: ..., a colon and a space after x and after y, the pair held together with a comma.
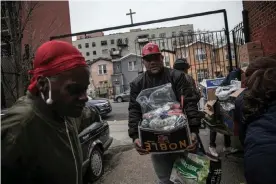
x: 44, y: 111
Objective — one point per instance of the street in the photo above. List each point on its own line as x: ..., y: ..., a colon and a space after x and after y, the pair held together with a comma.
x: 123, y: 165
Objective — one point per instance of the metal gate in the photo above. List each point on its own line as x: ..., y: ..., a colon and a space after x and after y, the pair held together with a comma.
x: 209, y: 53
x: 206, y: 52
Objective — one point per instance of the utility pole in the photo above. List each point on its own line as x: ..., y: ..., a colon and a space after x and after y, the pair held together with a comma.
x: 130, y: 14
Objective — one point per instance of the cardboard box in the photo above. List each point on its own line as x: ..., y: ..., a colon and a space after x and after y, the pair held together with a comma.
x: 209, y: 87
x: 164, y: 141
x: 209, y: 107
x: 250, y: 51
x: 237, y: 93
x: 251, y: 55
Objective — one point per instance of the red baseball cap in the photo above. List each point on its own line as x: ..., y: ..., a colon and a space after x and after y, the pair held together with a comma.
x: 150, y: 49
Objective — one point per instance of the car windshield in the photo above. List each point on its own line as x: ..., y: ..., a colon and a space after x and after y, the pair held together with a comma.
x: 127, y: 91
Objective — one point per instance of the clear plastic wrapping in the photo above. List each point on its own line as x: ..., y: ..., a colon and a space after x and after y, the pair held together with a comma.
x: 160, y: 109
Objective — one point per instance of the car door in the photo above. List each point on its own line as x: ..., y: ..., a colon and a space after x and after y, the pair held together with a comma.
x: 92, y: 130
x: 127, y: 95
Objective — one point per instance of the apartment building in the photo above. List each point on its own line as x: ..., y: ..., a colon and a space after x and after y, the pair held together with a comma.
x: 120, y: 44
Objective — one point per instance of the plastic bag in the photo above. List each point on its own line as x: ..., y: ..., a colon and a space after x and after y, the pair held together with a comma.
x: 157, y: 97
x: 223, y: 92
x: 193, y: 169
x: 160, y: 109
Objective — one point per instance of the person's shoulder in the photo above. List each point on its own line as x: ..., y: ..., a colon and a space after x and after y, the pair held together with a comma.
x: 21, y: 113
x: 138, y: 79
x: 174, y: 72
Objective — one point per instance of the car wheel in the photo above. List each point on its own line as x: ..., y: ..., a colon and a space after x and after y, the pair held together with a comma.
x: 96, y: 168
x: 119, y: 99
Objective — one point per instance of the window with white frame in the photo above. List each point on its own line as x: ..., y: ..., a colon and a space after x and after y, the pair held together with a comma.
x: 102, y: 69
x: 200, y: 54
x: 131, y: 65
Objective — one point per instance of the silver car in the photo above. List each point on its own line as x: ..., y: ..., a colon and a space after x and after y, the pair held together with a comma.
x: 123, y: 97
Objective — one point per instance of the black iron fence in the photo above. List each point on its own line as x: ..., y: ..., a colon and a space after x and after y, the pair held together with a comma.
x: 238, y: 37
x: 206, y: 52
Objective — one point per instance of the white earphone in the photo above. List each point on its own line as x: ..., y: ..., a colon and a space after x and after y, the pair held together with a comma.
x: 49, y: 101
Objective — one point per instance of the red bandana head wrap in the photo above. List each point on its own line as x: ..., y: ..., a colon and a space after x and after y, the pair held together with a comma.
x: 52, y: 58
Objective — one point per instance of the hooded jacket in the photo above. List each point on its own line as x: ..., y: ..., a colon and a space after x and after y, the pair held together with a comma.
x: 38, y: 149
x: 180, y: 85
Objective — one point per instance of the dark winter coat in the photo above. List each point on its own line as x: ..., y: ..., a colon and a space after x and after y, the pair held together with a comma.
x: 260, y: 148
x: 35, y: 148
x: 179, y: 83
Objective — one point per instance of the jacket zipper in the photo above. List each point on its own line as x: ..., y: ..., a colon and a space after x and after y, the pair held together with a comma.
x: 74, y: 156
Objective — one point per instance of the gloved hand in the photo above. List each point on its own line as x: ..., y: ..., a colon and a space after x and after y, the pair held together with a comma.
x: 138, y: 147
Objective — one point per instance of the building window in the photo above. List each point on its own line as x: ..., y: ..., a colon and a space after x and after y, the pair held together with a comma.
x: 153, y: 36
x: 93, y: 44
x: 105, y: 51
x: 102, y: 69
x: 162, y: 35
x: 232, y: 54
x: 202, y: 74
x: 181, y: 33
x: 112, y: 41
x: 94, y: 53
x: 86, y: 45
x: 163, y: 44
x: 79, y: 46
x: 201, y: 55
x: 131, y: 65
x: 117, y: 67
x: 104, y: 42
x: 173, y: 34
x: 87, y: 53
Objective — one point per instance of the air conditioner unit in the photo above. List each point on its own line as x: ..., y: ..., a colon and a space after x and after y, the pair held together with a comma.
x: 143, y: 40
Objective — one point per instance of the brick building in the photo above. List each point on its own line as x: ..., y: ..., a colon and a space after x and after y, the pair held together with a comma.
x: 39, y: 20
x: 49, y: 18
x: 262, y: 24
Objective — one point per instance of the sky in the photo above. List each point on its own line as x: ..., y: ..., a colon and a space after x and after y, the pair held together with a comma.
x: 90, y: 15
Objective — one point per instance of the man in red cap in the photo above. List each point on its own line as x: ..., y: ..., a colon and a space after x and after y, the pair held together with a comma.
x: 39, y: 133
x: 157, y: 75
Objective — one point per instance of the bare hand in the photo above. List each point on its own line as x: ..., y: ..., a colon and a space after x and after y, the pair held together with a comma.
x: 193, y: 146
x: 138, y: 147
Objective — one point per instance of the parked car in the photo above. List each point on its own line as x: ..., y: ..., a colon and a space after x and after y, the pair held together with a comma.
x: 95, y: 139
x: 123, y: 97
x: 102, y: 105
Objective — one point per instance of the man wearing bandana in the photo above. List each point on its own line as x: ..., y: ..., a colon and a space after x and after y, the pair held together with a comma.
x: 39, y: 133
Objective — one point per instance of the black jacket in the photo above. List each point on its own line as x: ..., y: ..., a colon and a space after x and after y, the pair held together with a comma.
x: 178, y: 81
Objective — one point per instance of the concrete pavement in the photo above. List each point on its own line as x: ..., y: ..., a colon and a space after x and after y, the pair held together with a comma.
x: 125, y: 166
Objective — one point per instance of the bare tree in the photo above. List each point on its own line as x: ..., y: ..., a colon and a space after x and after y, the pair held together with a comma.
x: 16, y: 62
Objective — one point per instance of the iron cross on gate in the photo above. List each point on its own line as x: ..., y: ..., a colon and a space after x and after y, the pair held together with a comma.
x: 131, y: 13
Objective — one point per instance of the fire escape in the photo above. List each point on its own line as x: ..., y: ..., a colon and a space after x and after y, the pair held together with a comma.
x: 9, y: 67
